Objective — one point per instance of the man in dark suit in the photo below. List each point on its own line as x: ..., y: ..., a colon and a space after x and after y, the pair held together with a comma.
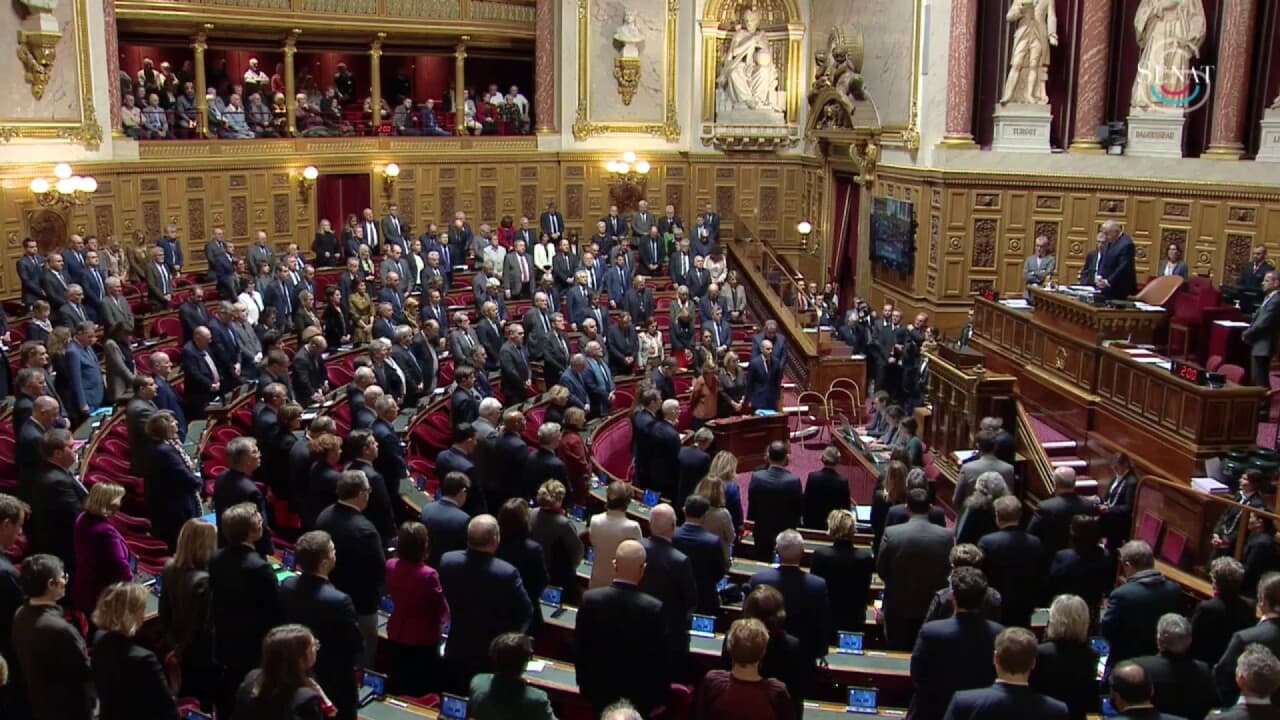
x: 1117, y: 277
x: 310, y: 378
x: 1215, y: 620
x: 1052, y: 521
x: 825, y: 490
x: 1089, y: 273
x: 235, y: 485
x: 392, y: 228
x: 693, y: 462
x: 764, y: 380
x: 139, y: 410
x: 1253, y: 274
x: 986, y: 461
x: 669, y: 577
x: 56, y: 499
x: 13, y: 514
x: 224, y: 346
x: 652, y: 251
x: 1131, y: 694
x: 192, y: 313
x: 490, y: 336
x: 514, y: 364
x: 1008, y: 698
x: 638, y: 301
x: 554, y: 348
x: 510, y: 455
x: 623, y: 344
x: 464, y: 401
x: 681, y: 263
x: 775, y: 500
x: 1263, y: 333
x: 172, y: 247
x: 664, y: 449
x: 390, y: 463
x: 661, y: 378
x: 953, y: 654
x: 445, y: 519
x: 166, y: 396
x: 705, y: 554
x: 543, y: 464
x: 574, y: 379
x: 486, y: 599
x: 418, y: 375
x: 361, y: 571
x: 616, y: 281
x: 30, y: 272
x: 93, y: 283
x: 1014, y: 563
x: 914, y: 562
x: 1265, y: 632
x: 551, y: 222
x: 804, y: 594
x: 460, y: 458
x: 201, y: 381
x: 55, y: 282
x: 222, y: 268
x: 159, y: 281
x: 1182, y: 685
x: 311, y: 600
x: 1258, y: 678
x: 49, y: 652
x: 1117, y: 505
x: 606, y: 675
x: 245, y: 604
x: 1135, y: 606
x: 29, y: 447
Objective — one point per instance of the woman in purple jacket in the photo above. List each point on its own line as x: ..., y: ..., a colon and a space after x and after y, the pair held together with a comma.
x: 100, y: 553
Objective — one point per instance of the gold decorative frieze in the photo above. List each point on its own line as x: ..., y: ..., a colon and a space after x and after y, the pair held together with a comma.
x: 41, y: 29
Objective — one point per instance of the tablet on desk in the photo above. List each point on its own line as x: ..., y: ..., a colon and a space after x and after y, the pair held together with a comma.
x: 288, y: 559
x: 155, y: 586
x: 590, y: 557
x: 553, y: 597
x: 193, y: 714
x: 862, y: 513
x: 702, y: 626
x: 651, y: 498
x: 453, y: 707
x: 849, y: 643
x: 579, y: 512
x: 722, y: 584
x: 372, y: 686
x: 862, y: 700
x: 385, y: 604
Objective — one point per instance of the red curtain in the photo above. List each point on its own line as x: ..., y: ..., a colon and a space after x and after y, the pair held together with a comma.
x: 844, y: 234
x: 340, y: 195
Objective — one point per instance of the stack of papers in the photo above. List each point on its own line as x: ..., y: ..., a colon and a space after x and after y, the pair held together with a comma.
x: 1147, y: 307
x: 1209, y: 485
x: 1018, y: 303
x: 1082, y: 289
x: 1231, y: 323
x: 962, y: 456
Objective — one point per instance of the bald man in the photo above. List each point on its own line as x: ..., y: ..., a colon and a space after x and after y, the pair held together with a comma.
x: 669, y: 578
x: 621, y: 648
x: 486, y: 599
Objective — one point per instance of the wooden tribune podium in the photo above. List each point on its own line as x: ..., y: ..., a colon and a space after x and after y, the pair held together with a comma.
x: 748, y: 436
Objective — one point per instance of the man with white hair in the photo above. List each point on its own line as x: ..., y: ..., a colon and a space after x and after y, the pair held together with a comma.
x: 606, y: 675
x: 364, y: 415
x: 1182, y: 685
x: 804, y: 594
x: 669, y: 577
x: 664, y: 449
x: 115, y: 308
x: 235, y: 485
x: 166, y: 397
x: 544, y: 464
x: 1117, y: 277
x: 1052, y: 521
x: 1258, y: 678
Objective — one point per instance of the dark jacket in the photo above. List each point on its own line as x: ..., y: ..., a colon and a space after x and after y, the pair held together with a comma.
x: 55, y: 503
x: 486, y: 598
x: 1183, y: 685
x: 775, y: 501
x: 807, y: 602
x: 1265, y: 632
x: 526, y: 557
x: 825, y: 490
x: 606, y: 675
x: 131, y: 683
x: 1003, y: 701
x: 1133, y: 610
x: 55, y: 666
x: 950, y: 655
x: 707, y: 560
x: 233, y: 487
x: 447, y: 527
x: 847, y: 569
x: 361, y: 575
x: 1068, y: 671
x: 668, y: 576
x: 1214, y: 622
x: 1052, y: 521
x: 314, y: 602
x: 914, y: 561
x: 540, y: 466
x: 245, y: 605
x: 1014, y: 565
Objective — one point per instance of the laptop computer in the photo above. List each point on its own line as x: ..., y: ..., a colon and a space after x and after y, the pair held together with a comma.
x: 453, y: 707
x: 862, y: 700
x: 702, y: 626
x: 372, y: 686
x: 554, y: 597
x: 651, y: 498
x: 849, y: 643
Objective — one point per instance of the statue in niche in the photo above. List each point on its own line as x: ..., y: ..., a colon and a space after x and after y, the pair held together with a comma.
x: 1170, y: 33
x: 629, y: 36
x: 748, y: 79
x: 1029, y: 66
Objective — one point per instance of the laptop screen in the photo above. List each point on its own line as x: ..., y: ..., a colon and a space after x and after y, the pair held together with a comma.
x: 862, y: 698
x: 376, y: 682
x: 651, y: 498
x: 453, y: 707
x: 702, y: 624
x: 850, y: 642
x: 552, y: 595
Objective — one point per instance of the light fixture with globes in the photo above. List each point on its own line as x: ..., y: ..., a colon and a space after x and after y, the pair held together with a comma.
x: 629, y: 170
x: 389, y: 174
x: 67, y: 189
x: 307, y: 182
x: 808, y: 238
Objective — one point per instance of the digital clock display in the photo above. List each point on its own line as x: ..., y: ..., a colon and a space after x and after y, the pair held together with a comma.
x: 1190, y: 373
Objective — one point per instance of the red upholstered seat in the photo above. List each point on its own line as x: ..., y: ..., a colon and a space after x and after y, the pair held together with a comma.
x: 1233, y: 373
x: 167, y: 326
x: 681, y: 383
x: 611, y: 449
x: 338, y: 375
x: 433, y: 434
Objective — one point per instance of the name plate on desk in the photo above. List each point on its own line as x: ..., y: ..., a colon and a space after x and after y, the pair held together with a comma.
x: 1190, y: 373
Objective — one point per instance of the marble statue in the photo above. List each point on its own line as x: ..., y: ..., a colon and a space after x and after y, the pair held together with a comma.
x: 748, y: 79
x: 629, y: 36
x: 1029, y: 66
x: 1170, y: 33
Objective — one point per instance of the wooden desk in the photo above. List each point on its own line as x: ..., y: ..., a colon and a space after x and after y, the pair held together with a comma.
x: 958, y: 397
x: 1095, y: 323
x: 749, y: 436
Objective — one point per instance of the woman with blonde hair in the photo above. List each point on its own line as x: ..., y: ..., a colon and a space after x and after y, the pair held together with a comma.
x: 552, y: 529
x: 281, y: 688
x: 1066, y: 666
x: 847, y: 570
x: 717, y: 521
x: 557, y: 402
x: 101, y: 557
x: 733, y: 388
x: 361, y: 307
x: 724, y: 465
x: 304, y: 315
x: 131, y: 682
x: 411, y: 307
x: 185, y: 610
x: 703, y: 395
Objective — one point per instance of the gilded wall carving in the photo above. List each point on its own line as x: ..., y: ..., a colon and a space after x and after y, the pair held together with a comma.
x: 984, y: 243
x: 239, y: 217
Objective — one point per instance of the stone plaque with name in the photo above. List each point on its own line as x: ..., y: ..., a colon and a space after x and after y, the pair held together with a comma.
x: 1021, y: 128
x: 1269, y: 147
x: 1155, y: 134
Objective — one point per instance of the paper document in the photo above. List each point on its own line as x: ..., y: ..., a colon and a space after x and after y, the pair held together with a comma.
x: 1231, y: 323
x: 536, y: 666
x: 963, y: 455
x: 1146, y: 307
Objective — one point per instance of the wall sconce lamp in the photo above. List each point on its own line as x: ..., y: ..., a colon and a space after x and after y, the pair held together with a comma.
x: 389, y: 175
x: 808, y: 238
x: 66, y: 191
x: 628, y: 170
x: 307, y: 182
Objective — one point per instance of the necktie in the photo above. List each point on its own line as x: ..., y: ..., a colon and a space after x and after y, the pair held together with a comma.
x: 288, y: 305
x: 444, y: 256
x: 591, y: 276
x: 546, y: 327
x: 653, y: 249
x: 684, y: 263
x: 164, y: 279
x: 716, y: 329
x: 59, y: 276
x: 524, y: 268
x: 212, y: 368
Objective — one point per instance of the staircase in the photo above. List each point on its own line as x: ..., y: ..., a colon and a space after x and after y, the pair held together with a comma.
x: 1059, y: 451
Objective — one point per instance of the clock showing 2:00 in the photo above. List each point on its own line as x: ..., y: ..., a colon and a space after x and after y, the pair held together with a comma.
x: 1187, y: 372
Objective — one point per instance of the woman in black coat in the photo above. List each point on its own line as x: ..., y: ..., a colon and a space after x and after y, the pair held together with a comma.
x: 334, y: 320
x: 516, y: 548
x: 847, y: 570
x: 131, y: 683
x: 170, y: 487
x: 1086, y: 568
x: 784, y: 659
x: 1066, y: 666
x: 185, y: 611
x: 979, y: 517
x: 282, y: 688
